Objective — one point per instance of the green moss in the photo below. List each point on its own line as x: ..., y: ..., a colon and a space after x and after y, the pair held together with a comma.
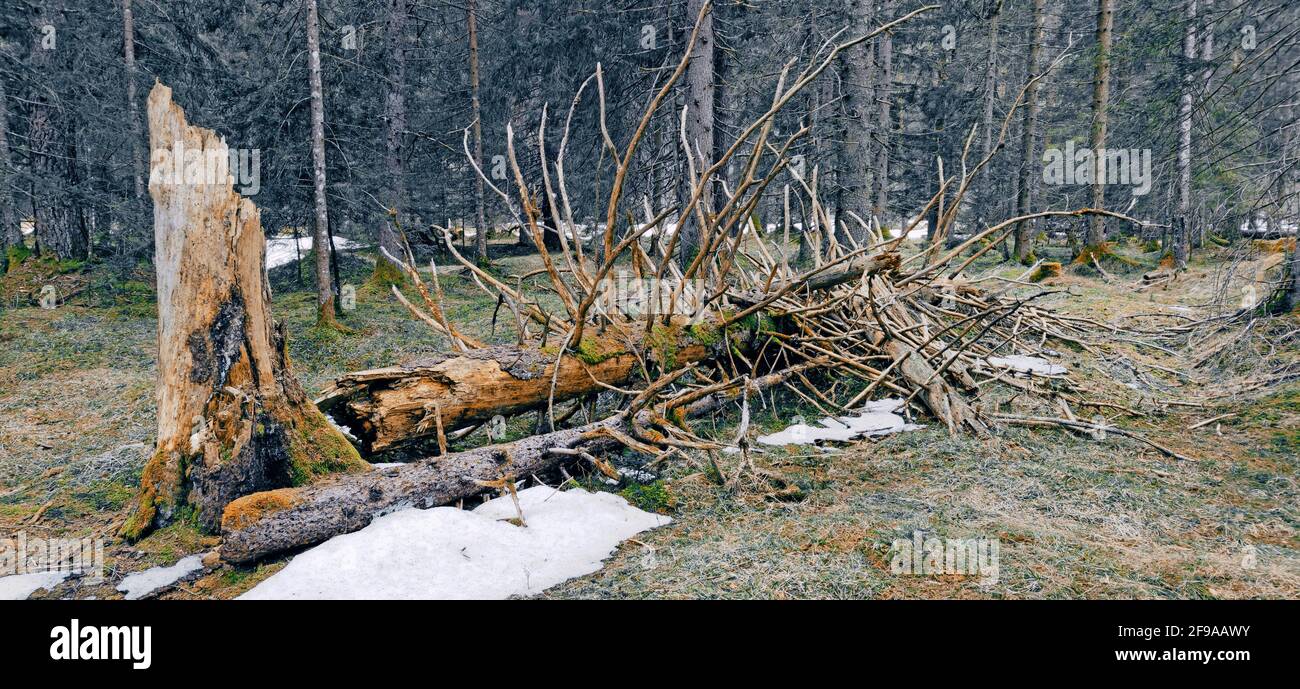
x: 1047, y: 269
x: 317, y: 449
x: 1150, y: 246
x: 652, y: 497
x: 16, y: 255
x: 705, y: 333
x: 104, y: 495
x: 387, y: 273
x: 1102, y: 253
x: 663, y: 343
x: 592, y: 351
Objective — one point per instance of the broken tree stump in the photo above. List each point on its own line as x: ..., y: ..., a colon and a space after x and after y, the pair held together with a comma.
x: 232, y: 420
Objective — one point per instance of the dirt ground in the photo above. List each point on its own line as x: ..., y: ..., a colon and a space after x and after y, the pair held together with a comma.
x: 1075, y: 516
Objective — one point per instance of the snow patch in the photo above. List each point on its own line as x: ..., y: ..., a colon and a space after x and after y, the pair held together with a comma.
x: 447, y: 553
x: 877, y: 418
x: 141, y: 584
x: 1028, y: 364
x: 20, y: 586
x: 281, y: 250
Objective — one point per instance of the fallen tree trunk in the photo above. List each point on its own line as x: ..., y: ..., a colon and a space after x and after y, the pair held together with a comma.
x: 389, y: 407
x: 232, y: 420
x: 271, y: 522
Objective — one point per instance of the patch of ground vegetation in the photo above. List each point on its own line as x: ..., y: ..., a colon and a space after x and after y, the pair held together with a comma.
x: 1075, y: 516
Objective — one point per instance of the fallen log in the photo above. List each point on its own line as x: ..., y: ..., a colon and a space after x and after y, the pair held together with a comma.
x: 271, y: 522
x: 389, y: 407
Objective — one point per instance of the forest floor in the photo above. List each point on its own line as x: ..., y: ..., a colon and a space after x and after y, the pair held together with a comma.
x: 1074, y: 516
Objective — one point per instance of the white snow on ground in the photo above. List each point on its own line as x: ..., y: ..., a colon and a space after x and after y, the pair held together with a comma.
x: 445, y: 552
x: 1027, y: 364
x: 141, y: 584
x: 877, y: 418
x: 20, y: 586
x: 280, y: 250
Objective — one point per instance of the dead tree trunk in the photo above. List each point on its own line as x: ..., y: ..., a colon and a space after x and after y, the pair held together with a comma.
x: 1182, y: 216
x: 132, y: 106
x: 700, y: 87
x: 395, y: 38
x: 58, y: 230
x: 1029, y: 141
x: 854, y: 170
x: 389, y: 407
x: 266, y: 523
x: 480, y: 216
x: 10, y: 234
x: 884, y: 99
x: 1100, y: 103
x: 321, y: 236
x: 232, y: 420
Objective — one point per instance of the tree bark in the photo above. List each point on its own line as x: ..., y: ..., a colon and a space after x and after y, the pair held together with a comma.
x: 855, y: 151
x: 700, y: 88
x: 884, y: 126
x: 132, y: 106
x: 58, y: 230
x: 1182, y: 219
x: 10, y: 233
x: 1029, y: 161
x: 232, y: 419
x: 267, y: 523
x: 390, y: 407
x: 395, y: 39
x: 1100, y: 104
x: 320, y: 237
x: 988, y: 195
x: 480, y: 216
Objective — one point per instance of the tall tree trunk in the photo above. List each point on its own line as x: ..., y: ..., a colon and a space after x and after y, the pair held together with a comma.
x: 1100, y: 100
x: 58, y: 230
x: 1207, y: 74
x: 10, y: 233
x: 1182, y: 218
x: 855, y: 151
x: 884, y: 125
x: 232, y: 420
x: 132, y: 106
x: 320, y: 237
x: 1029, y: 139
x: 700, y: 89
x: 395, y: 41
x: 987, y: 197
x: 480, y: 214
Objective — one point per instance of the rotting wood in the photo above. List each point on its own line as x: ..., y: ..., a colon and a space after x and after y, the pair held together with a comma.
x: 232, y: 419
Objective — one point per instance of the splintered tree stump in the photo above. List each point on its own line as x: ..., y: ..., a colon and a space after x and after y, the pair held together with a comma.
x: 232, y: 420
